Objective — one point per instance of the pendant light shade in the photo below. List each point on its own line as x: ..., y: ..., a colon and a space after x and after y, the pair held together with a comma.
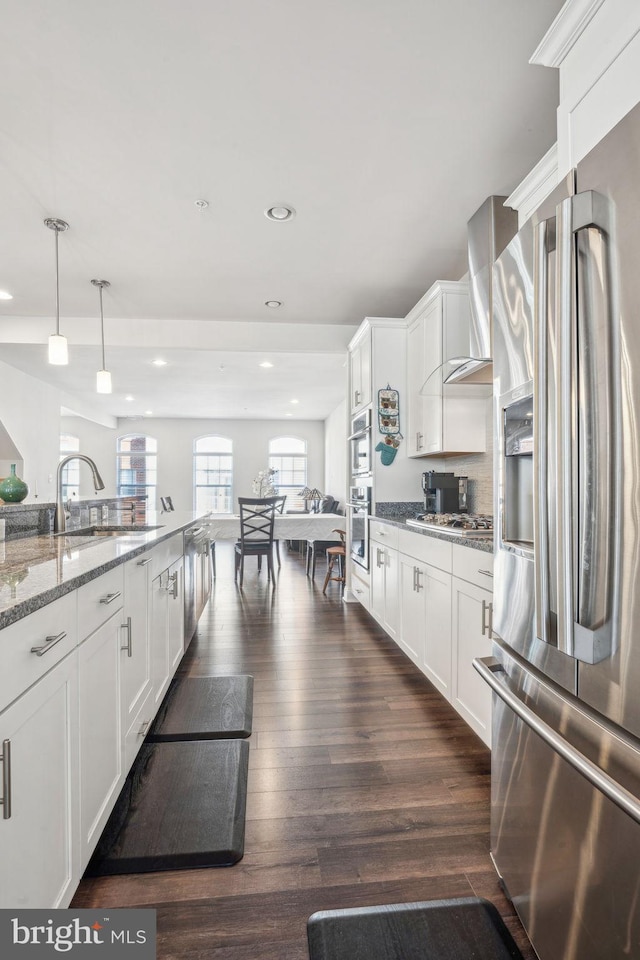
x: 103, y: 377
x: 58, y: 351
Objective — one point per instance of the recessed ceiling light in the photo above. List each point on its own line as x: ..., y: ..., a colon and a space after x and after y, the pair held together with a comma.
x: 129, y: 398
x: 5, y: 295
x: 148, y: 413
x: 159, y: 363
x: 266, y: 363
x: 274, y: 304
x: 201, y: 204
x: 288, y: 414
x: 295, y: 401
x: 280, y: 211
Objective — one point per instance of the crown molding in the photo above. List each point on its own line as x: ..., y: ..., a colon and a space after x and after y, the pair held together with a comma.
x: 565, y: 30
x: 544, y: 172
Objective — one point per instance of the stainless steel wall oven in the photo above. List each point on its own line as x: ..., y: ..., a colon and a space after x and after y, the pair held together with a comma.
x: 358, y: 510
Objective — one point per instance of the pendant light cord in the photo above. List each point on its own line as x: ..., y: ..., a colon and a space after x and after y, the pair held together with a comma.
x: 57, y: 288
x: 104, y: 367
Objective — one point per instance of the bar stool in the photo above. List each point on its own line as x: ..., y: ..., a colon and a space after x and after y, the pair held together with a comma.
x: 338, y: 553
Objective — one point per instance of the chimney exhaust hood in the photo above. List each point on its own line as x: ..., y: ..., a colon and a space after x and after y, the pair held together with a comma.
x: 488, y: 231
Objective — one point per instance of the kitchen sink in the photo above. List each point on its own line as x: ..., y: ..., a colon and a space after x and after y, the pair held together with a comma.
x: 108, y: 531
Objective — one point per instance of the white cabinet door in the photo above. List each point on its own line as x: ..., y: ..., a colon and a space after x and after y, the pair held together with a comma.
x: 159, y: 637
x: 385, y: 605
x: 415, y: 382
x: 412, y: 612
x: 471, y: 695
x: 101, y: 736
x: 136, y: 663
x: 360, y: 373
x: 437, y: 640
x: 39, y: 866
x: 175, y: 613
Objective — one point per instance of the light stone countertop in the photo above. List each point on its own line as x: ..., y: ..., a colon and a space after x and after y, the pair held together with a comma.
x: 35, y: 571
x: 485, y: 545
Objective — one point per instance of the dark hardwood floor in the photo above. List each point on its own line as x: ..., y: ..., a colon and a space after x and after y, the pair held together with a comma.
x: 365, y: 786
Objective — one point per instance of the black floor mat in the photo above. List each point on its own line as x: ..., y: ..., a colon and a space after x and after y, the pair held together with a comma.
x: 205, y: 708
x: 466, y: 929
x: 182, y: 805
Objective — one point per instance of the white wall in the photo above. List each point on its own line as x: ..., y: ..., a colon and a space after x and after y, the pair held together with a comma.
x: 335, y: 455
x: 30, y: 414
x: 175, y: 450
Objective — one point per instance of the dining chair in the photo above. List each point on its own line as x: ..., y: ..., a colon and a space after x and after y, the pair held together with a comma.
x: 257, y: 517
x: 279, y: 509
x: 337, y: 553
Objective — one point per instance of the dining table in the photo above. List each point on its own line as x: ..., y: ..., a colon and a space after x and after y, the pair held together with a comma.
x: 288, y: 526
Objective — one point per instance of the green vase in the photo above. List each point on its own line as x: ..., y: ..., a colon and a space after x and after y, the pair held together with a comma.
x: 12, y: 488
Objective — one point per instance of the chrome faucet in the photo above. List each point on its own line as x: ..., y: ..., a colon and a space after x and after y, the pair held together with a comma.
x: 60, y: 519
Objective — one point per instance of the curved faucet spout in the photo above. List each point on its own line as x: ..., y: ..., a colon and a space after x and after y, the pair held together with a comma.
x: 60, y: 519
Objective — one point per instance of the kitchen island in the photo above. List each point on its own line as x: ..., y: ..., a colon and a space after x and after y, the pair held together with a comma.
x: 91, y: 634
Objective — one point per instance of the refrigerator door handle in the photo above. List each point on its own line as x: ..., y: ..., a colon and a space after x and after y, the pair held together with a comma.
x: 493, y: 673
x: 586, y: 418
x: 542, y: 248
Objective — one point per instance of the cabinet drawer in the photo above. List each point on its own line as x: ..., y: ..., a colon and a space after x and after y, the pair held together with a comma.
x: 384, y: 533
x: 475, y: 566
x: 99, y: 599
x: 19, y: 666
x: 134, y: 736
x: 429, y: 550
x: 360, y: 585
x: 164, y: 555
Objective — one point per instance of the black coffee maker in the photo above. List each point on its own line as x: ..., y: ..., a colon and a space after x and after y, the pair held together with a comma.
x: 444, y: 493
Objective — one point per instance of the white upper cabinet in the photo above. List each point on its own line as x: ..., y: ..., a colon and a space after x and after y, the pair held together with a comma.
x: 442, y: 418
x: 360, y: 371
x: 595, y: 44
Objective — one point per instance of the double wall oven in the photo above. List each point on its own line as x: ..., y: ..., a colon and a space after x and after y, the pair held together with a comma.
x: 358, y: 510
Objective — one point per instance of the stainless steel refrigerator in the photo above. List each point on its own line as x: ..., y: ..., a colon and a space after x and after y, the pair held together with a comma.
x: 565, y: 671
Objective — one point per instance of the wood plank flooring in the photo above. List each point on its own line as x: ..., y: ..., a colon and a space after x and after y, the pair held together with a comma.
x: 365, y: 786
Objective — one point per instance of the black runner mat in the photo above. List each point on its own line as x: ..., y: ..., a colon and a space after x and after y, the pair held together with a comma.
x: 466, y: 929
x: 205, y: 708
x: 182, y: 805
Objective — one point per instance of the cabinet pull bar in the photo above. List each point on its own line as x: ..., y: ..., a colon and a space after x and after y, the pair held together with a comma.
x: 110, y: 597
x: 144, y: 726
x: 128, y: 646
x: 49, y: 642
x: 5, y: 801
x: 143, y: 563
x: 487, y: 573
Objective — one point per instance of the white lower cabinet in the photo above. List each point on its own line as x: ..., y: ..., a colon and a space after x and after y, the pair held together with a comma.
x: 434, y: 598
x: 101, y: 741
x: 385, y: 599
x: 167, y: 627
x: 39, y: 864
x: 135, y: 657
x: 471, y: 695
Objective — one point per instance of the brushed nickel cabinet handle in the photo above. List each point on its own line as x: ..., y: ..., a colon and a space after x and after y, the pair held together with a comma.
x: 144, y: 726
x: 143, y: 563
x: 487, y: 573
x: 128, y: 646
x: 5, y: 800
x: 110, y: 597
x: 49, y: 642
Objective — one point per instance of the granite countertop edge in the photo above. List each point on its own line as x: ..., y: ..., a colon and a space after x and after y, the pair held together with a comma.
x: 483, y: 545
x: 48, y: 582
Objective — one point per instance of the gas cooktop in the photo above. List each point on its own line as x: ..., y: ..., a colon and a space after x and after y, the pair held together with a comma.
x: 456, y: 524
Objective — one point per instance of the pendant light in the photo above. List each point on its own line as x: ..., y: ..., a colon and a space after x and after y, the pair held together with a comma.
x: 58, y: 351
x: 103, y: 377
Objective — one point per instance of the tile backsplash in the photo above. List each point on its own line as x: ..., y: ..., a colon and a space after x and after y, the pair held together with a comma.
x: 478, y: 467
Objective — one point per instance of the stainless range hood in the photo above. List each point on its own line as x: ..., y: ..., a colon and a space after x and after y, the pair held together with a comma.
x: 489, y: 231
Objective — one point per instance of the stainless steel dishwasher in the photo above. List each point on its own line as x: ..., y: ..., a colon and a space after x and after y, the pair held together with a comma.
x: 197, y: 577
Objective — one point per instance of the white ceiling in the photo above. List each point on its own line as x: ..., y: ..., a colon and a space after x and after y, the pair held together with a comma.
x: 385, y: 124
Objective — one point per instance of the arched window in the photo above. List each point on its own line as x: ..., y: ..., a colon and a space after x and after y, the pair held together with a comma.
x: 288, y: 456
x: 71, y: 472
x: 137, y: 468
x: 213, y: 474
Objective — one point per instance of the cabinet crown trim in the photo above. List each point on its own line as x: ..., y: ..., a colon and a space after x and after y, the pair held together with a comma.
x: 564, y: 32
x: 456, y: 287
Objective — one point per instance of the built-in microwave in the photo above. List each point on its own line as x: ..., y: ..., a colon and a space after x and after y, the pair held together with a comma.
x: 360, y: 445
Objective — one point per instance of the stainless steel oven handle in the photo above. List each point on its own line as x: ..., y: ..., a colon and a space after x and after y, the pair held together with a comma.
x: 493, y: 673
